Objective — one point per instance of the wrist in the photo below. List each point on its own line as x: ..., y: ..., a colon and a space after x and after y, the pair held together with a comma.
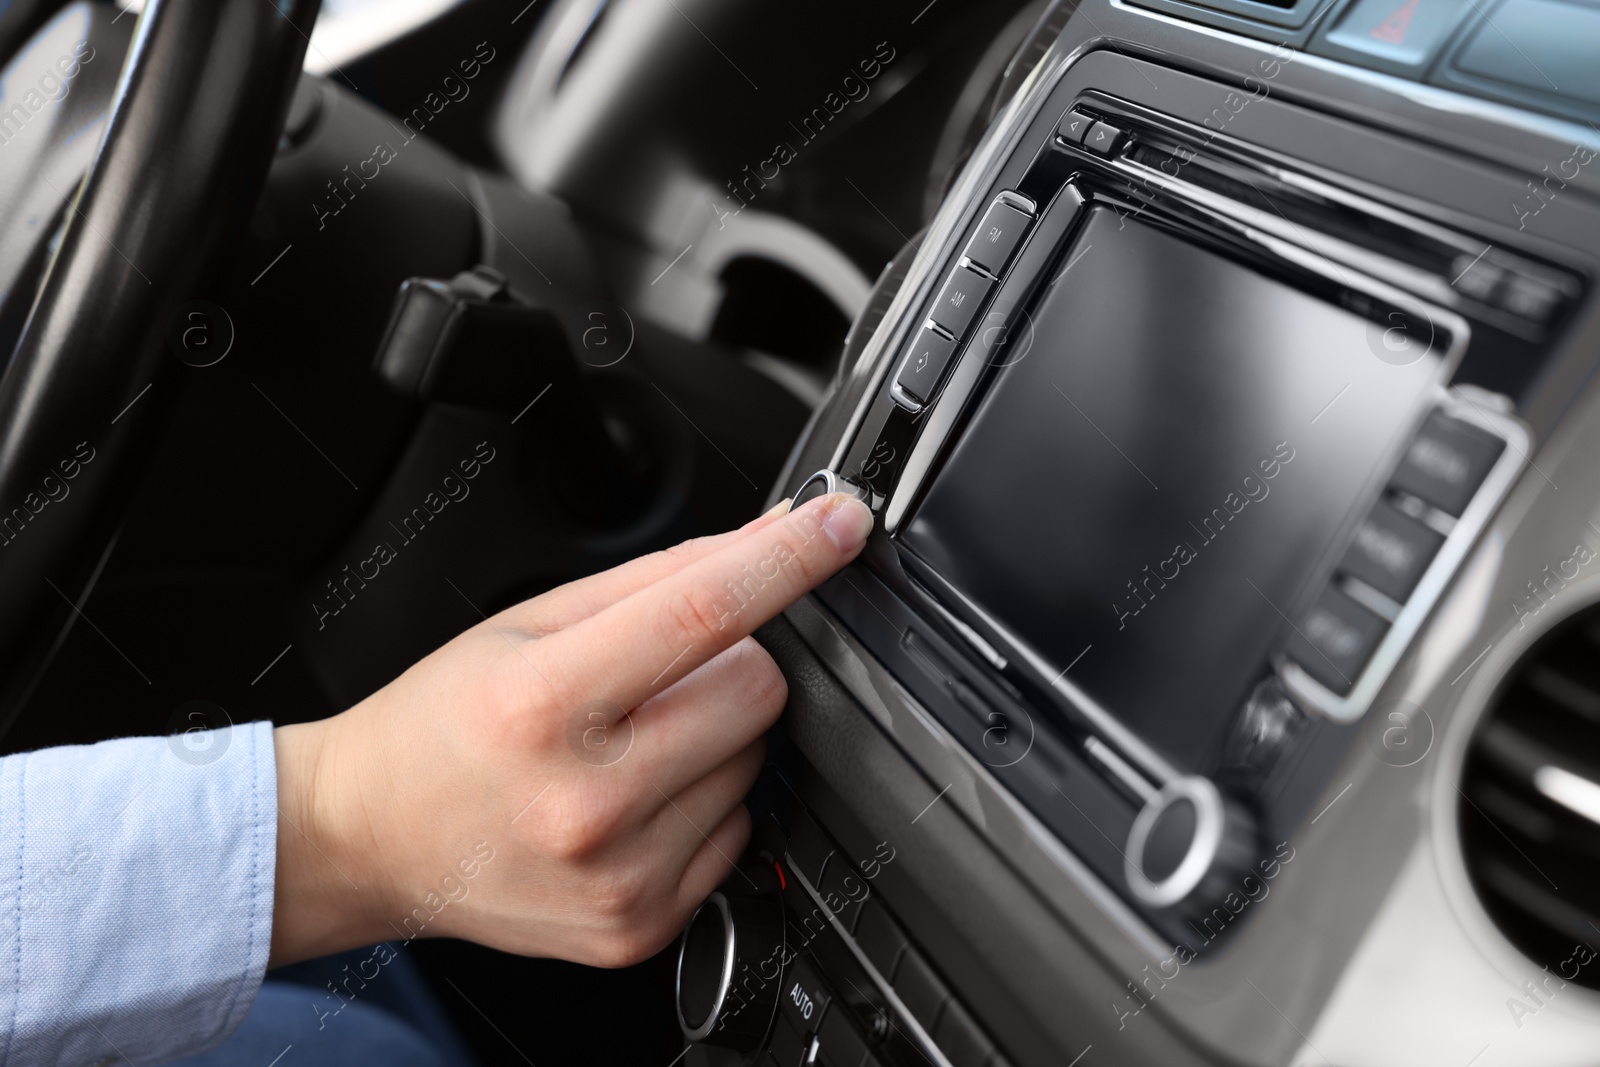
x: 326, y: 897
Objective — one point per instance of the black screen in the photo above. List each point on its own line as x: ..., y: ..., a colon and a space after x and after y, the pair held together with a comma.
x: 1157, y: 478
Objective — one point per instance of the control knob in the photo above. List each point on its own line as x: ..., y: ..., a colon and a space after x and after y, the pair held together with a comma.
x: 730, y: 961
x: 1189, y: 848
x: 824, y: 482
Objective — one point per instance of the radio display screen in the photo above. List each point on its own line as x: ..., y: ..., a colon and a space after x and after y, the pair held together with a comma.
x: 1145, y: 492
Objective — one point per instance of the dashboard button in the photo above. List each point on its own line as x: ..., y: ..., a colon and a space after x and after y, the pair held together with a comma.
x: 919, y: 988
x: 1102, y: 139
x: 787, y: 1047
x: 842, y: 890
x: 997, y: 237
x: 733, y: 933
x: 1265, y: 729
x: 1074, y: 124
x: 960, y: 300
x: 1476, y: 278
x: 804, y: 999
x: 1529, y: 299
x: 880, y: 938
x: 1538, y: 45
x: 1404, y: 32
x: 925, y: 363
x: 1390, y: 551
x: 1335, y: 640
x: 960, y: 1039
x: 821, y: 484
x: 838, y: 1044
x: 1446, y: 462
x: 809, y: 848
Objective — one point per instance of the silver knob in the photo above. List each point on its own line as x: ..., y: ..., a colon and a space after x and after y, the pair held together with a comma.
x: 821, y: 484
x: 730, y: 960
x: 1189, y: 847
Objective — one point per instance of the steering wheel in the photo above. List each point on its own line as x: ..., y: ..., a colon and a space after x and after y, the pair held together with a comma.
x: 192, y: 129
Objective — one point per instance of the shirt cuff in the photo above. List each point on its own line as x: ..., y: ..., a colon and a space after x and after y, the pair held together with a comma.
x: 136, y: 890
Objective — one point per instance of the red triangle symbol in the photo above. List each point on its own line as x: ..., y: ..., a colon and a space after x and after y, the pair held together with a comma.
x: 1393, y: 29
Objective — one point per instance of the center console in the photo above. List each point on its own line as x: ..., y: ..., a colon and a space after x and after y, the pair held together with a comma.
x: 1179, y: 428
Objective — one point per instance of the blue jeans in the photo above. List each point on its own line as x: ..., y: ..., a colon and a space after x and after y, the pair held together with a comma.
x: 330, y: 1017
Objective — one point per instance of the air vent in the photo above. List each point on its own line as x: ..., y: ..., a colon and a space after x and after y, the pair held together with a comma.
x: 1530, y: 820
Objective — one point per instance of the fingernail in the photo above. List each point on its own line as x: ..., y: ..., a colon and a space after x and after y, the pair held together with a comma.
x: 846, y: 521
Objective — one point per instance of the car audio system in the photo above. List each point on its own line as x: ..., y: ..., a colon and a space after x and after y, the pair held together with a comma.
x: 1171, y: 471
x: 1174, y: 443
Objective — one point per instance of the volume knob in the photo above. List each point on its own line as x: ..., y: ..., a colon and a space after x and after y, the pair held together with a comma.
x: 729, y: 962
x: 824, y: 482
x: 1189, y: 847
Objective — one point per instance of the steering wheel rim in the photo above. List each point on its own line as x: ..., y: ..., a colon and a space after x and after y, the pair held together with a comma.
x: 194, y: 123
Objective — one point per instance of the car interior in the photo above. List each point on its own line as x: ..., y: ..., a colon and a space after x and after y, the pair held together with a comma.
x: 1220, y: 683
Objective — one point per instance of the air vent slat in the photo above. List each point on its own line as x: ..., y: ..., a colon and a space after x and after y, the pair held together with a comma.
x: 1572, y: 695
x: 1534, y: 898
x: 1530, y: 818
x: 1514, y: 813
x: 1523, y: 754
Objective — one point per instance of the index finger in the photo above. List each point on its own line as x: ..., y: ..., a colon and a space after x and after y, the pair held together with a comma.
x: 645, y: 642
x: 566, y: 604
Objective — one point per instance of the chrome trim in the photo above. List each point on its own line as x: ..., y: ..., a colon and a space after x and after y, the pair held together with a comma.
x: 701, y: 1032
x: 1012, y: 198
x: 1107, y: 757
x: 1197, y: 859
x: 1484, y: 414
x: 829, y: 480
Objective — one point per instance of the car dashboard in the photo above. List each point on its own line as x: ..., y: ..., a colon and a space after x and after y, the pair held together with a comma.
x: 1217, y: 683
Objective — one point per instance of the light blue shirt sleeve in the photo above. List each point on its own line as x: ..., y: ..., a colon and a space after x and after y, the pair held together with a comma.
x: 136, y: 883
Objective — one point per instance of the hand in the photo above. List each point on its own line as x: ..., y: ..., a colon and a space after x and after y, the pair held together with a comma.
x: 563, y: 779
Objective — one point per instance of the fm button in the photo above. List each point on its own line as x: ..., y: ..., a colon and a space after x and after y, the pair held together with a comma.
x: 997, y: 238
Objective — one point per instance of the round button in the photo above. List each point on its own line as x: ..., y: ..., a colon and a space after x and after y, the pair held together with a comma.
x: 1186, y: 844
x: 705, y: 967
x: 730, y: 960
x: 821, y: 484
